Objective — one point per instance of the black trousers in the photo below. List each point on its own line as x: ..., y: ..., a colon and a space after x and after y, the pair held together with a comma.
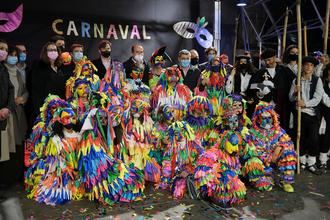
x: 309, y: 134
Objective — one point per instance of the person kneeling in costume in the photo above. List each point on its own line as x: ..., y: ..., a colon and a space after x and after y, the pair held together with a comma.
x: 274, y: 146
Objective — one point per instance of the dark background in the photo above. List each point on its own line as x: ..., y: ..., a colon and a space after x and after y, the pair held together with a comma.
x: 158, y: 16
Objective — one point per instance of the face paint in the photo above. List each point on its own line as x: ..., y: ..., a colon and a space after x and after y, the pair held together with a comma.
x: 238, y: 107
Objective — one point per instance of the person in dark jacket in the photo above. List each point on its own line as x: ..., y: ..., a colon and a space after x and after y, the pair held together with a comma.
x: 190, y: 74
x: 104, y: 61
x: 137, y: 59
x: 7, y: 104
x: 272, y: 84
x: 46, y: 78
x: 77, y: 53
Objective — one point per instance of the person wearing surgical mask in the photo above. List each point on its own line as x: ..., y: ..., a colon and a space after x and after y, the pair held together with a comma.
x: 77, y: 54
x: 104, y: 61
x: 189, y: 73
x: 17, y: 124
x: 21, y: 65
x: 137, y: 59
x: 210, y: 53
x: 47, y: 77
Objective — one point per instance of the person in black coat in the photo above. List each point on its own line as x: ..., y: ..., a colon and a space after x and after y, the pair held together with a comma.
x: 190, y: 74
x: 7, y: 104
x: 137, y: 59
x: 272, y: 84
x: 77, y: 53
x: 104, y: 61
x: 46, y: 78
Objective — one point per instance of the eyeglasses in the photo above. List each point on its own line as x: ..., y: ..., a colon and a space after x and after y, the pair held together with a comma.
x: 51, y: 50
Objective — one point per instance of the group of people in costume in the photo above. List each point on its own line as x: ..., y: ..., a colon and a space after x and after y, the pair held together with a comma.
x: 113, y: 135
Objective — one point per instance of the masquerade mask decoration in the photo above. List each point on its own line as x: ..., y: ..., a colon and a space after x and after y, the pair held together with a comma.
x: 159, y: 57
x: 12, y: 20
x: 86, y: 70
x: 82, y: 88
x: 232, y: 122
x: 173, y: 74
x: 191, y: 30
x: 265, y: 117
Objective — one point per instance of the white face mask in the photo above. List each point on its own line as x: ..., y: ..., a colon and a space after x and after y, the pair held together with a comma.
x: 138, y: 58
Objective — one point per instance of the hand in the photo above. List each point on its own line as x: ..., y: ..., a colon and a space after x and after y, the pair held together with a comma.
x: 233, y: 71
x: 301, y: 103
x: 4, y: 113
x: 268, y: 83
x: 19, y: 100
x: 296, y: 90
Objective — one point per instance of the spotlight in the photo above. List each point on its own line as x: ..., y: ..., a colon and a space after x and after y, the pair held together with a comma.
x: 241, y: 3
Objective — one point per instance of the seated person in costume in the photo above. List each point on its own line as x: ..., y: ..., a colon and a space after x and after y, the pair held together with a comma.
x: 171, y: 91
x: 105, y: 178
x: 217, y: 172
x: 274, y: 146
x: 59, y: 182
x: 157, y: 60
x: 138, y: 139
x: 179, y: 158
x: 199, y: 116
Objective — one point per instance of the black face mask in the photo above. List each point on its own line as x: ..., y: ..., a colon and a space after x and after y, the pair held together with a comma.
x: 194, y: 61
x: 69, y: 126
x: 293, y: 57
x: 105, y: 54
x: 244, y: 66
x: 61, y: 48
x: 215, y: 68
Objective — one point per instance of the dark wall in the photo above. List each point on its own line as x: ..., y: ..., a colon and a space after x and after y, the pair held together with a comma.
x: 158, y: 17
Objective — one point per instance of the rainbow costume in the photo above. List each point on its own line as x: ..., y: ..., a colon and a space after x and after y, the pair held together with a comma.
x: 274, y: 146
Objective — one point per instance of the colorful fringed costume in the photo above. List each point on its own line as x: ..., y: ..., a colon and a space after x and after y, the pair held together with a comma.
x: 199, y: 116
x: 217, y: 172
x: 179, y: 158
x: 105, y: 178
x: 234, y: 118
x: 274, y: 146
x: 59, y: 182
x: 137, y: 137
x: 171, y: 91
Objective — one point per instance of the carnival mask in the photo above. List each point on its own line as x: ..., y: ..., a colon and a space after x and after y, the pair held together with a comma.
x: 238, y: 107
x: 68, y: 118
x: 266, y: 121
x: 232, y: 122
x: 103, y: 117
x: 86, y: 70
x: 82, y: 91
x: 137, y: 73
x: 173, y: 75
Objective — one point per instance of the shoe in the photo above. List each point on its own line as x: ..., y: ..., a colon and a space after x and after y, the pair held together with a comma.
x: 302, y: 166
x: 287, y: 187
x: 323, y: 168
x: 313, y: 169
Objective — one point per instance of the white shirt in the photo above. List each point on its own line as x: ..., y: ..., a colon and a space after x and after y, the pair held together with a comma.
x: 106, y: 62
x: 245, y: 82
x: 310, y: 102
x: 271, y: 72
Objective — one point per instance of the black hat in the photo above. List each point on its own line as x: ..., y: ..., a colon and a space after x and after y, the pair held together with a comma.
x: 242, y: 56
x: 268, y: 53
x: 159, y: 54
x: 310, y: 59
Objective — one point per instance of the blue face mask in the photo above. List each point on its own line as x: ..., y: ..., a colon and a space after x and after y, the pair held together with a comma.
x: 22, y: 57
x: 12, y: 60
x: 77, y: 56
x: 185, y: 63
x: 210, y: 57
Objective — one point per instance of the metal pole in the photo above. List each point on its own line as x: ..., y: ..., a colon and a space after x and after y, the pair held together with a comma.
x: 317, y: 12
x: 299, y: 80
x: 326, y: 29
x: 217, y: 25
